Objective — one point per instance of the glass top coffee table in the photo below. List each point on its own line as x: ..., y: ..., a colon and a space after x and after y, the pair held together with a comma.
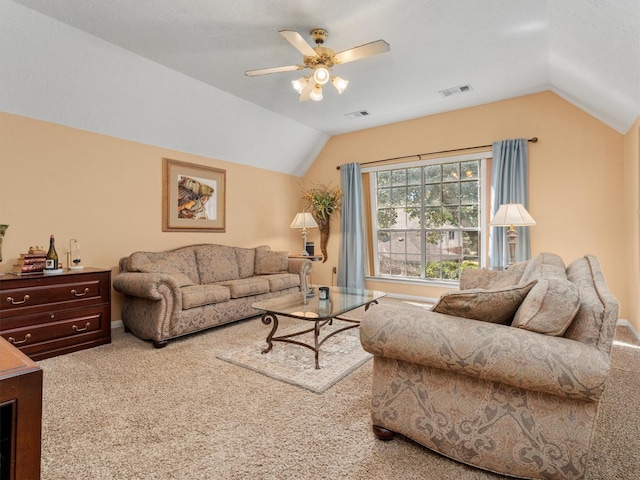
x: 320, y: 312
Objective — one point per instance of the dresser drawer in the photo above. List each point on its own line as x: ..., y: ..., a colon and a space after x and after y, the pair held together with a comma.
x: 42, y: 294
x: 34, y: 334
x: 47, y: 315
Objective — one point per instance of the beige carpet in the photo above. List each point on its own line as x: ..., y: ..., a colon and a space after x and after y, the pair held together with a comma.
x: 129, y: 411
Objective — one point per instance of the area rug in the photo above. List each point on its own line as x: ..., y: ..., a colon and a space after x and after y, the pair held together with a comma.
x: 339, y: 356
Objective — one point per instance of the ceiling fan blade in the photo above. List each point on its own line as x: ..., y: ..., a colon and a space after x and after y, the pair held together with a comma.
x: 295, y: 39
x: 266, y: 71
x: 363, y: 51
x: 306, y: 92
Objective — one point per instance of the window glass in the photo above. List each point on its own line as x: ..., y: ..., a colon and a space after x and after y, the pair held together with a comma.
x: 428, y: 220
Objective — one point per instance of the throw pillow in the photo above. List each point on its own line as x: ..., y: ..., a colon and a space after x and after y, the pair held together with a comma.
x: 549, y: 307
x: 271, y: 262
x: 495, y: 306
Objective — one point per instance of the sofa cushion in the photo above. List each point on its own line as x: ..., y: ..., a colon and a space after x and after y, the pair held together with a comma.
x: 489, y: 279
x: 549, y: 307
x: 246, y: 258
x: 180, y: 263
x: 199, y: 295
x: 271, y: 262
x: 495, y: 306
x: 217, y: 263
x: 282, y: 281
x: 245, y: 287
x: 540, y: 265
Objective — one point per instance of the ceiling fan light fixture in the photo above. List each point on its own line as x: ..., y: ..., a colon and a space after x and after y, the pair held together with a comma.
x: 340, y: 83
x: 320, y: 60
x: 299, y: 84
x: 316, y: 93
x: 321, y: 75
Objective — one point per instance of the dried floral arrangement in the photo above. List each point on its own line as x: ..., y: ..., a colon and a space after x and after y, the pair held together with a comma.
x: 323, y: 201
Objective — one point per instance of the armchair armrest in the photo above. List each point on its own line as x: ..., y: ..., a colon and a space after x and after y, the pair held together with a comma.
x: 492, y: 352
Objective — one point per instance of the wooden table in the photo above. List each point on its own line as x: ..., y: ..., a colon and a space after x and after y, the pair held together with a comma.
x: 20, y: 414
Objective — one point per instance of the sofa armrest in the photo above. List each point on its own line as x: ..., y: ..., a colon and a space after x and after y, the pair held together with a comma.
x: 150, y: 286
x: 492, y: 352
x: 302, y: 267
x: 299, y: 265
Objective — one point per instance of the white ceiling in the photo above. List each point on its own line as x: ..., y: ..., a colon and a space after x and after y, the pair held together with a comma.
x: 587, y: 51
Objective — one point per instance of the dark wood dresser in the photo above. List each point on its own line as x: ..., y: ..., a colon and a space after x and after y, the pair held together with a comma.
x: 20, y: 415
x: 46, y: 315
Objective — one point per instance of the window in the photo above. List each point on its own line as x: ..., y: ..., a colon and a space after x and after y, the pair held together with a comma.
x: 427, y: 218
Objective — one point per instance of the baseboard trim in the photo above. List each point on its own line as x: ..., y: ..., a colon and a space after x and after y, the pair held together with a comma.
x: 626, y: 323
x: 117, y: 324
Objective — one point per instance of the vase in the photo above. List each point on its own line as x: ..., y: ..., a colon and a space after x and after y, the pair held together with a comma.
x: 3, y: 228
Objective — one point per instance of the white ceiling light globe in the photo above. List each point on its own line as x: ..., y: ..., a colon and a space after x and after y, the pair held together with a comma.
x: 321, y: 75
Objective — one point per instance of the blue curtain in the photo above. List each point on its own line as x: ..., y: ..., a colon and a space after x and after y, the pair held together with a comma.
x: 351, y: 264
x: 509, y: 184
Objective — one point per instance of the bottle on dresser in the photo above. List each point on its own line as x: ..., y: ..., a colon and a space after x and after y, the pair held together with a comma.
x: 52, y: 256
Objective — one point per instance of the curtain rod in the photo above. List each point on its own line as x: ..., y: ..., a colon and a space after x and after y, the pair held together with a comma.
x: 419, y: 155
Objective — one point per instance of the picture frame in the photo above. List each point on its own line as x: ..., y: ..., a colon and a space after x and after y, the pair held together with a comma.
x: 193, y: 197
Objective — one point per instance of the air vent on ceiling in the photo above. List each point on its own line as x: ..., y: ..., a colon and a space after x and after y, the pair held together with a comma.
x: 358, y: 114
x: 455, y: 90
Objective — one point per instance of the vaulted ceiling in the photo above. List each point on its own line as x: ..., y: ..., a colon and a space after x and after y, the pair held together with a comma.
x: 587, y: 51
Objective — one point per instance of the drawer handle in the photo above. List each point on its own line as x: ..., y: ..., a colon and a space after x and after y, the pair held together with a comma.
x: 13, y: 302
x: 86, y: 327
x: 16, y: 342
x: 86, y: 290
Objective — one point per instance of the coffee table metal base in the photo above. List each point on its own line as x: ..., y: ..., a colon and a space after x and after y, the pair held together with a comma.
x: 269, y: 317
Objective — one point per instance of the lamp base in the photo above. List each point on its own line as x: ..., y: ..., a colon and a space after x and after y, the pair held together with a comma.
x: 511, y: 233
x: 304, y: 252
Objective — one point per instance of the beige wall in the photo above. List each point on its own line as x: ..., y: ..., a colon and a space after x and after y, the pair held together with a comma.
x: 632, y: 231
x: 577, y: 176
x: 107, y: 193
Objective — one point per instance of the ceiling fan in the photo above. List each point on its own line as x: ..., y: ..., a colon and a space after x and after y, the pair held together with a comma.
x: 321, y: 60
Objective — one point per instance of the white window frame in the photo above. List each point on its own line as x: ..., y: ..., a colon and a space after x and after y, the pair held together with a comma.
x: 485, y: 206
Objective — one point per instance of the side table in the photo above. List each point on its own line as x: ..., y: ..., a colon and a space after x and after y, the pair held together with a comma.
x: 313, y: 258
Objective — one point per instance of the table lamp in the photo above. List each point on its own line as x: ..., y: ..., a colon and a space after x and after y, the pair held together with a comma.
x: 303, y: 221
x: 512, y: 215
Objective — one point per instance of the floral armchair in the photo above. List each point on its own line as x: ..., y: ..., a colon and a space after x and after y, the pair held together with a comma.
x: 515, y: 398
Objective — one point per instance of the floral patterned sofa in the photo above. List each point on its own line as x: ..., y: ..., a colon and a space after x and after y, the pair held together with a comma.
x: 176, y: 292
x: 506, y: 374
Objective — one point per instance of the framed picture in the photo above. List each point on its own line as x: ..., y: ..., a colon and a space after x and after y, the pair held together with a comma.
x: 193, y: 197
